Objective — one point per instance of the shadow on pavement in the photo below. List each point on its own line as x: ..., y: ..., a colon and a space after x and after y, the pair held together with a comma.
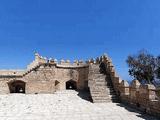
x: 140, y: 114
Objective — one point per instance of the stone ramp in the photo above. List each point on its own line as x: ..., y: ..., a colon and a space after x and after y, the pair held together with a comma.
x: 64, y: 105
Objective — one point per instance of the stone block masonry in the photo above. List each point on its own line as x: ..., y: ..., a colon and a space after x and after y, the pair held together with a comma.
x: 97, y: 76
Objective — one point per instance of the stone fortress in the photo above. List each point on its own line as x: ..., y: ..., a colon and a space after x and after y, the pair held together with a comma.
x: 96, y: 76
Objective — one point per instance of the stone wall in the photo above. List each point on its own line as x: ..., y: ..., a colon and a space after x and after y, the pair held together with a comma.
x: 4, y: 89
x: 142, y: 97
x: 4, y: 81
x: 48, y: 76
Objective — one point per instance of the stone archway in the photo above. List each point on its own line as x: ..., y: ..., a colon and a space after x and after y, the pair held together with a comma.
x: 16, y: 86
x: 71, y: 84
x: 57, y: 85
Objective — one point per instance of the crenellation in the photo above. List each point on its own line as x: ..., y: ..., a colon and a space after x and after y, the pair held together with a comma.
x: 109, y: 60
x: 62, y: 61
x: 81, y: 62
x: 97, y: 60
x: 124, y: 91
x: 68, y: 61
x: 55, y: 61
x: 91, y: 61
x: 105, y: 55
x: 124, y: 83
x: 95, y: 75
x: 135, y: 84
x: 51, y: 61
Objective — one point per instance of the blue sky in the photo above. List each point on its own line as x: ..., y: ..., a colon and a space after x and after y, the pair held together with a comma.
x: 77, y: 29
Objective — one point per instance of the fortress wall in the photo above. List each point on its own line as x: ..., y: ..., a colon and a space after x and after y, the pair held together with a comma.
x: 4, y: 83
x: 43, y: 76
x: 49, y: 75
x: 63, y: 75
x: 40, y: 80
x: 142, y: 97
x: 36, y: 87
x: 80, y: 75
x: 4, y: 86
x: 83, y: 78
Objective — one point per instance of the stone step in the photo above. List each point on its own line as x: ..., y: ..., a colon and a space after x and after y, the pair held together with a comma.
x: 105, y: 98
x: 100, y: 85
x: 100, y: 82
x: 97, y: 86
x: 96, y: 72
x: 102, y: 97
x: 105, y: 92
x: 96, y: 78
x: 98, y: 75
x: 95, y: 65
x: 100, y: 89
x: 99, y: 96
x: 99, y: 92
x: 99, y: 79
x: 102, y: 101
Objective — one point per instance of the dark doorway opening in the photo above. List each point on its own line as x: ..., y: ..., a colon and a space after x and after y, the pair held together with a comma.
x: 16, y: 86
x: 71, y: 85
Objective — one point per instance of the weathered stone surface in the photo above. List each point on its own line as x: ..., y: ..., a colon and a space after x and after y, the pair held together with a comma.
x: 96, y: 75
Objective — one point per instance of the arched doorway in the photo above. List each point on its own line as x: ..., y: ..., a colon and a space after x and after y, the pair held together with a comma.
x: 71, y: 85
x: 17, y: 86
x: 57, y: 85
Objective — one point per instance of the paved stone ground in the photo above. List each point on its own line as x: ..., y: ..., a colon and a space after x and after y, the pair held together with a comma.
x: 65, y: 105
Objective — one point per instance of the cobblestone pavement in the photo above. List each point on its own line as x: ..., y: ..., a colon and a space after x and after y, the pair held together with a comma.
x: 65, y: 105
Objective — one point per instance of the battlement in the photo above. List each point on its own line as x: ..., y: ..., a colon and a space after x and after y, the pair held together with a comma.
x: 45, y: 75
x: 66, y: 63
x: 39, y: 60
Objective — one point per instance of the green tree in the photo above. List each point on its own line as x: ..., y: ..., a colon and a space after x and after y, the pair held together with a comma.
x: 142, y: 66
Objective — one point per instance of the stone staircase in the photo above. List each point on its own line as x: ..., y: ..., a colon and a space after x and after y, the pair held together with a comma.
x: 100, y: 85
x: 30, y: 70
